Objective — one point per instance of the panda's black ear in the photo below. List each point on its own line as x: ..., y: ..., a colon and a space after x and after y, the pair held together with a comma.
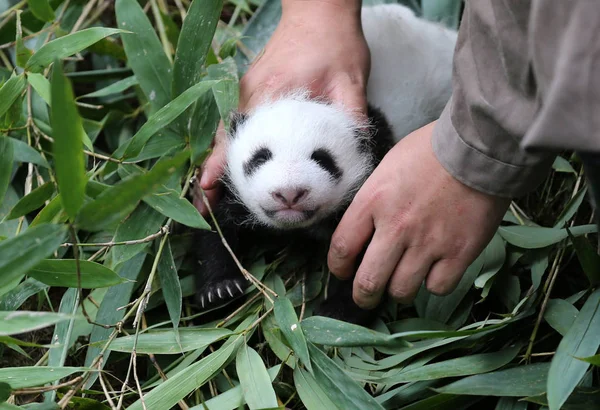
x: 236, y: 119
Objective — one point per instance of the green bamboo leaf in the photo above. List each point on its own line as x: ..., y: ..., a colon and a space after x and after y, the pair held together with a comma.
x: 145, y: 54
x: 114, y: 203
x: 581, y: 340
x: 6, y: 166
x: 34, y: 200
x: 16, y: 297
x: 226, y: 93
x: 340, y: 388
x: 331, y: 332
x: 510, y: 403
x: 183, y: 383
x: 194, y: 42
x: 461, y: 366
x: 254, y: 379
x: 588, y: 257
x: 532, y: 237
x: 165, y: 116
x: 144, y: 221
x: 10, y: 91
x: 22, y: 53
x: 560, y: 314
x: 273, y: 336
x: 24, y: 251
x: 24, y: 153
x: 529, y: 380
x: 14, y: 323
x: 203, y: 126
x: 233, y: 398
x: 171, y: 289
x: 31, y: 376
x: 5, y: 392
x: 67, y: 149
x: 443, y: 402
x: 41, y: 85
x: 66, y: 46
x: 571, y: 208
x: 109, y: 312
x: 286, y: 318
x: 562, y: 165
x: 114, y: 88
x: 310, y: 392
x: 170, y: 204
x: 165, y: 341
x: 41, y: 9
x: 63, y: 272
x: 52, y: 212
x: 595, y: 360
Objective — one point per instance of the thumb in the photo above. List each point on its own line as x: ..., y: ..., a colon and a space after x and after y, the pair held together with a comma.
x: 214, y: 166
x: 353, y: 98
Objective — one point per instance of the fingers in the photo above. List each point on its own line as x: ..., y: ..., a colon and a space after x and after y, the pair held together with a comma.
x: 375, y: 270
x: 410, y: 274
x: 445, y: 275
x: 348, y: 240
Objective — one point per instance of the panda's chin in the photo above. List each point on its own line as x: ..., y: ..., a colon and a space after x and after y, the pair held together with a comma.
x: 290, y: 218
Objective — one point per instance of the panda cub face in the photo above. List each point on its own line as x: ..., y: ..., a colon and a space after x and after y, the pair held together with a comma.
x: 293, y: 161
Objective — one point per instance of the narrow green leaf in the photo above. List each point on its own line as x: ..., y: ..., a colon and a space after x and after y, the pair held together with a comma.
x: 14, y: 323
x: 114, y: 88
x: 41, y: 85
x: 560, y: 314
x: 331, y: 332
x: 595, y: 360
x: 562, y: 165
x: 41, y: 9
x: 25, y: 153
x: 6, y: 166
x: 510, y: 403
x: 461, y: 366
x: 165, y: 116
x: 532, y: 237
x: 5, y: 392
x: 194, y: 42
x: 34, y: 200
x: 10, y: 91
x: 310, y: 392
x: 286, y: 318
x: 170, y: 204
x: 144, y: 221
x: 183, y: 383
x: 226, y: 92
x: 340, y: 388
x: 165, y: 341
x: 68, y: 144
x: 254, y: 379
x: 203, y: 126
x: 171, y: 289
x: 581, y: 340
x: 52, y: 212
x: 571, y: 208
x: 145, y: 54
x: 233, y: 398
x: 24, y: 251
x: 62, y: 272
x: 588, y: 257
x: 120, y: 199
x: 32, y: 376
x: 22, y: 53
x: 66, y: 46
x: 518, y: 381
x: 16, y: 297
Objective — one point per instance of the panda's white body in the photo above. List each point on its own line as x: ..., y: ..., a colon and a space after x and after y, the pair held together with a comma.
x: 295, y: 163
x: 410, y: 83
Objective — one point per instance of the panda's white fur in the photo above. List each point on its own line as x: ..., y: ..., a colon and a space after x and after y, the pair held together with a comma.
x: 410, y: 83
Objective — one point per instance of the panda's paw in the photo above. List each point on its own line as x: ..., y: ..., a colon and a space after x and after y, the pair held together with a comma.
x: 212, y: 294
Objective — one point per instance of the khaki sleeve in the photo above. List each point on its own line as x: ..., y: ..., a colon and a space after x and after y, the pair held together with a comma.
x: 565, y: 56
x: 477, y: 138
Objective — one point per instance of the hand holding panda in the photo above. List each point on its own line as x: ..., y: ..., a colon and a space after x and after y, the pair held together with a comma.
x: 295, y: 162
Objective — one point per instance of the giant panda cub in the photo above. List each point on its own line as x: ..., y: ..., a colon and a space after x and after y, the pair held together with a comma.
x: 294, y: 163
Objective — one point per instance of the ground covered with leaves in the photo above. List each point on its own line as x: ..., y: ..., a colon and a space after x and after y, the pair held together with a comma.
x: 105, y: 109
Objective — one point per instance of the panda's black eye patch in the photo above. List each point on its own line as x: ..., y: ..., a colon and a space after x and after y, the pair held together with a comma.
x: 326, y: 161
x: 258, y: 158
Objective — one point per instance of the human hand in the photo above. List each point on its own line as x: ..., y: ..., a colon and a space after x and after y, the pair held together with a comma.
x: 424, y: 224
x: 318, y: 46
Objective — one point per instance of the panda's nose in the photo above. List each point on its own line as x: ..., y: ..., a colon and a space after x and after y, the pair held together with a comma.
x: 290, y: 196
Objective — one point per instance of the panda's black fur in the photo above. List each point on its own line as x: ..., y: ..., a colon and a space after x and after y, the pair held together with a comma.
x: 219, y: 279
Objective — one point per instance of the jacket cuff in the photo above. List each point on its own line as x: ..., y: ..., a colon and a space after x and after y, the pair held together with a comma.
x: 480, y: 171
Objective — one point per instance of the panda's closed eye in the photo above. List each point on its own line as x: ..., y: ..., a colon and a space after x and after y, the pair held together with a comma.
x: 259, y: 157
x: 326, y: 161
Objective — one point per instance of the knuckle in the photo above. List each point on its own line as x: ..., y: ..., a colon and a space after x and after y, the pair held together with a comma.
x: 441, y: 287
x: 366, y: 284
x: 339, y: 248
x: 401, y: 294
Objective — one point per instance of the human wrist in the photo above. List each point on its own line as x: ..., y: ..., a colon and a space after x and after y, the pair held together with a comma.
x: 316, y: 8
